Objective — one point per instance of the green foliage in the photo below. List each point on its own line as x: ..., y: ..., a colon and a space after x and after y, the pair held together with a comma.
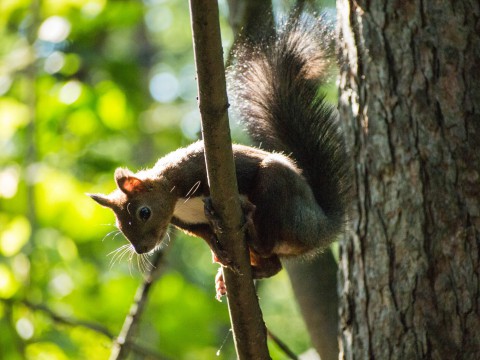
x: 86, y: 86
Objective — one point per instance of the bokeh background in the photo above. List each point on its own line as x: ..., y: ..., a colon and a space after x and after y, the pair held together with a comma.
x: 87, y: 86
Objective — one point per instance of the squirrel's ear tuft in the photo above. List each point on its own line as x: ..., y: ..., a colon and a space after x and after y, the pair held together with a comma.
x: 103, y: 200
x: 127, y: 182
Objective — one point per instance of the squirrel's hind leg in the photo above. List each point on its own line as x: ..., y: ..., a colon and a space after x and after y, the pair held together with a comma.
x: 261, y: 268
x: 264, y: 267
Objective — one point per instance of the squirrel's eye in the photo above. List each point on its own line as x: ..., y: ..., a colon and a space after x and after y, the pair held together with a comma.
x: 144, y: 213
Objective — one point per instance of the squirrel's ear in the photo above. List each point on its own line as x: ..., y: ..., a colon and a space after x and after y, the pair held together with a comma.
x: 127, y: 182
x: 103, y: 200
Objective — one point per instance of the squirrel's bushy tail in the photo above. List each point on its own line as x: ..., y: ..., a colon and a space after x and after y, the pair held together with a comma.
x: 274, y: 88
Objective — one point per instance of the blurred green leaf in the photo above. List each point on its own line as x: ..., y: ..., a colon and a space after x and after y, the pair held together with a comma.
x: 14, y: 235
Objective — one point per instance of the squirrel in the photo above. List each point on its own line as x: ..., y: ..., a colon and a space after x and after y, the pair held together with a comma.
x: 293, y: 187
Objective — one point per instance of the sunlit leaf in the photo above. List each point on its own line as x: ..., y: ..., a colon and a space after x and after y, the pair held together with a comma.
x: 70, y: 92
x: 94, y: 345
x: 71, y: 64
x: 9, y: 178
x: 56, y: 6
x: 6, y: 6
x: 24, y: 328
x: 8, y: 283
x: 13, y: 115
x: 67, y: 249
x: 112, y: 109
x: 54, y: 29
x: 44, y: 351
x: 82, y: 122
x: 14, y: 236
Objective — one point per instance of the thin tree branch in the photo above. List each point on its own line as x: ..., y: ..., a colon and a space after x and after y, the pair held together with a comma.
x: 245, y: 314
x: 68, y: 321
x: 284, y: 347
x: 86, y: 324
x: 124, y: 343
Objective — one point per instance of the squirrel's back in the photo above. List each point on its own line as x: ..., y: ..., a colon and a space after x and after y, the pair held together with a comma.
x: 274, y: 88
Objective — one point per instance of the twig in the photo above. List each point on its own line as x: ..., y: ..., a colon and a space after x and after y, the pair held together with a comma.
x: 124, y: 343
x: 284, y: 347
x: 86, y: 324
x: 245, y: 314
x: 68, y: 321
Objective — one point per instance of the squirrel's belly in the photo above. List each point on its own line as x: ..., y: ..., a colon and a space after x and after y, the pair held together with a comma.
x: 190, y: 210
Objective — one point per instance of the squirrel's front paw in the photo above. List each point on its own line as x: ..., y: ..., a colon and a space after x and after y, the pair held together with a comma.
x: 222, y: 257
x: 220, y: 287
x: 211, y: 215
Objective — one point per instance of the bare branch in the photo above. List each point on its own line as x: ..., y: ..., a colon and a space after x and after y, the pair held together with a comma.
x: 148, y: 354
x: 66, y: 320
x: 246, y: 317
x: 284, y: 347
x: 124, y: 343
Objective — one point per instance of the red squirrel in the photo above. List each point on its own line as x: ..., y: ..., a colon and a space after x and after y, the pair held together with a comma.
x: 293, y: 186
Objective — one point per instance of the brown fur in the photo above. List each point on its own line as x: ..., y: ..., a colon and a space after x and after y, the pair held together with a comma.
x: 295, y: 205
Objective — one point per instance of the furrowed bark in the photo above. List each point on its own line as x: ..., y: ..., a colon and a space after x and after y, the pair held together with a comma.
x: 410, y: 95
x: 245, y: 314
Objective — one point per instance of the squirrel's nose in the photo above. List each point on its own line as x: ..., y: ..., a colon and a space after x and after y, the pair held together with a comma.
x: 141, y: 249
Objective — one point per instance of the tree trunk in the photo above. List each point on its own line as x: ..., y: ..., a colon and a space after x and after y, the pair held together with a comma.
x: 410, y: 101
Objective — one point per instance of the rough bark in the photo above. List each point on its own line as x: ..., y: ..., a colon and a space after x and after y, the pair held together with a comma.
x: 410, y: 99
x: 247, y: 322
